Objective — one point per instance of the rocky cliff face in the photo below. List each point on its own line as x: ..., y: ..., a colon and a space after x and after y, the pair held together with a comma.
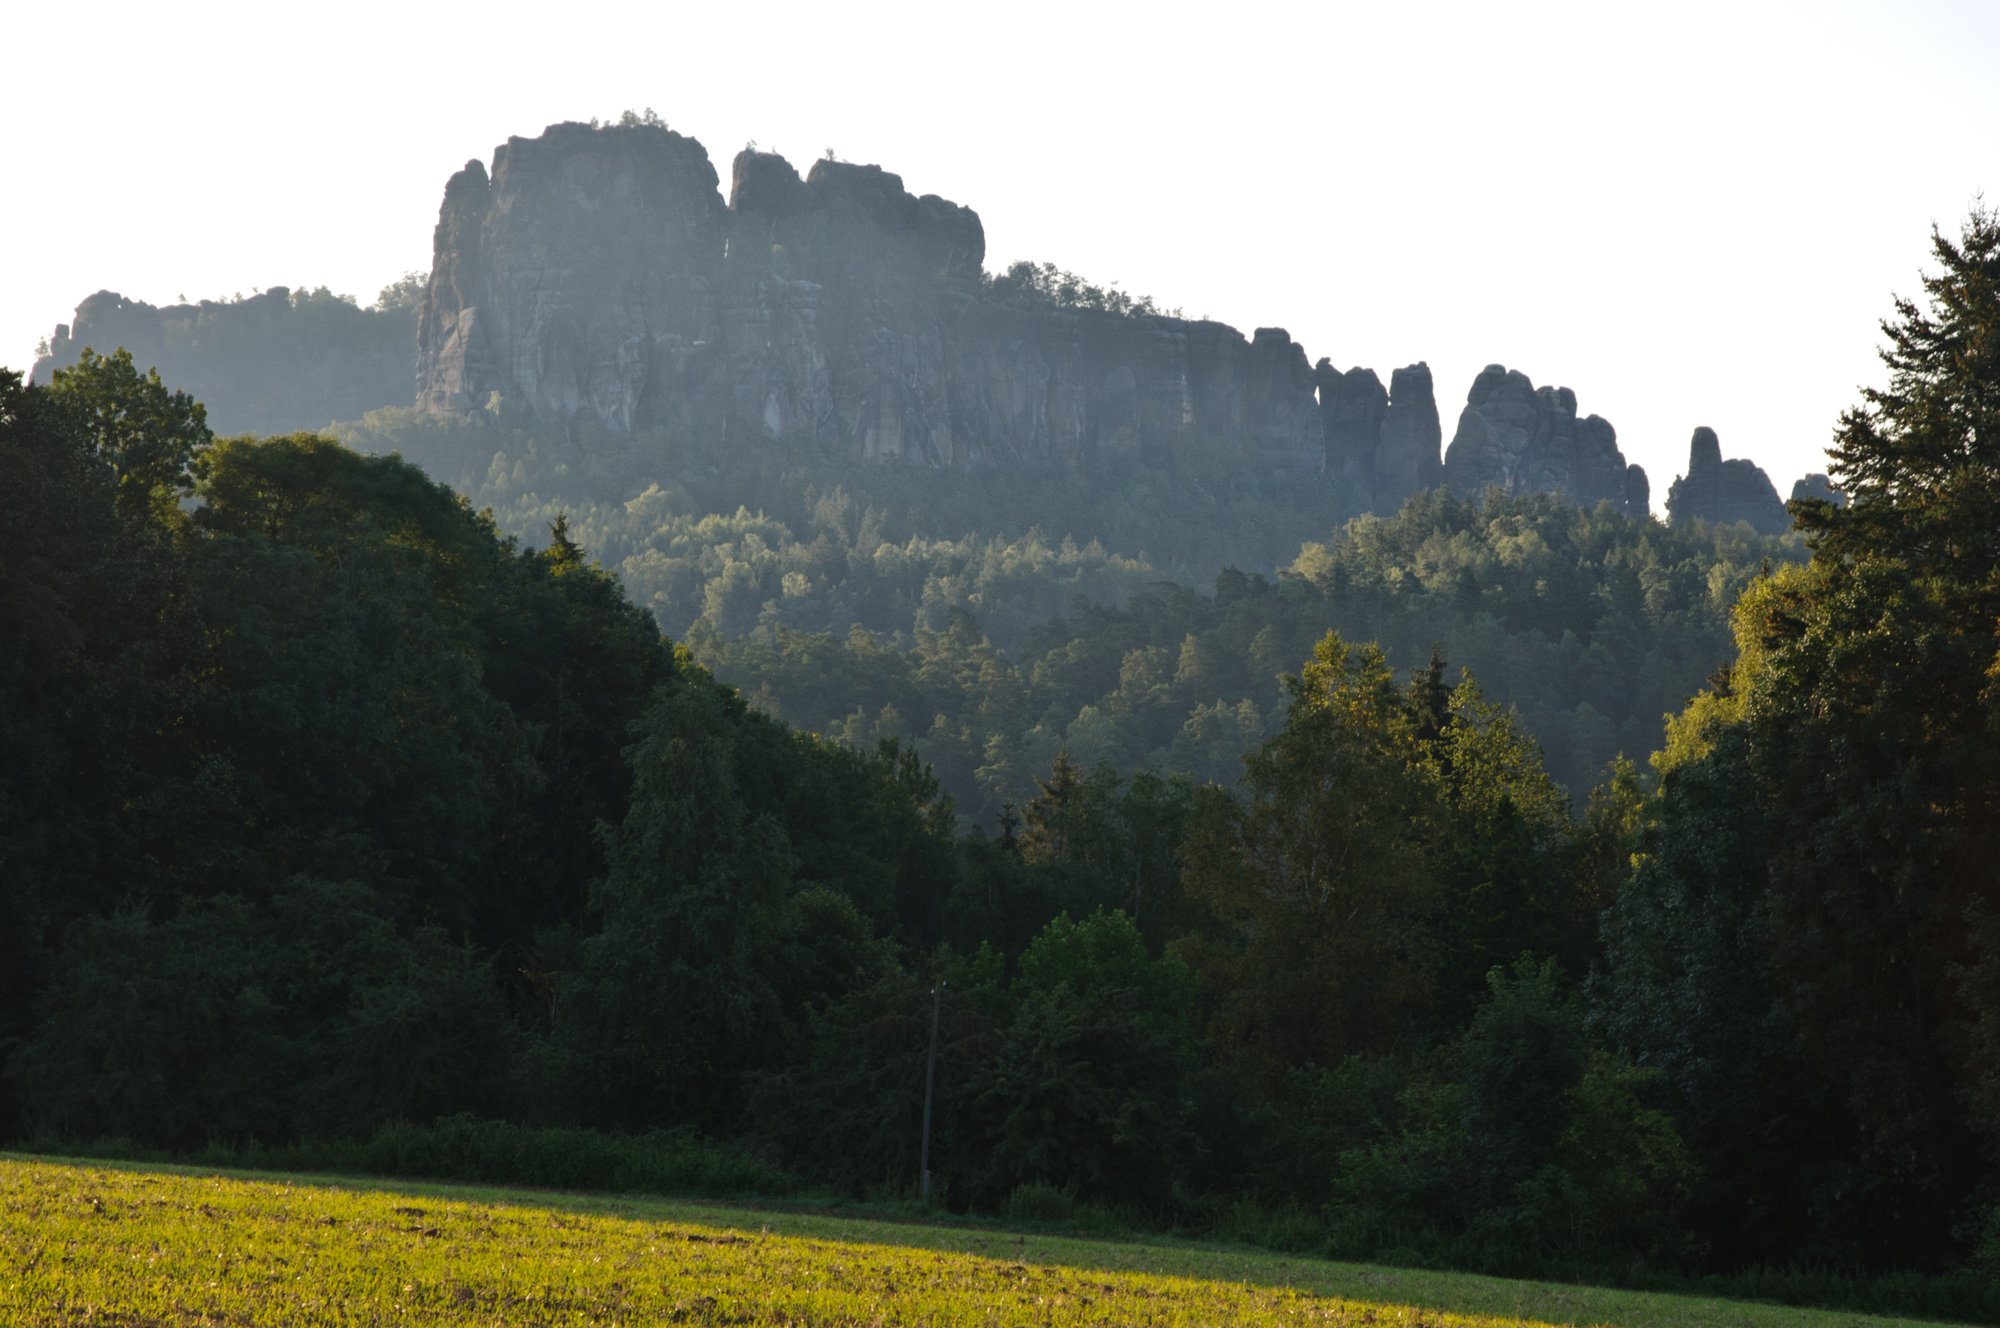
x: 598, y: 274
x: 1382, y: 444
x: 1521, y: 438
x: 1721, y: 491
x: 1818, y: 487
x: 578, y: 279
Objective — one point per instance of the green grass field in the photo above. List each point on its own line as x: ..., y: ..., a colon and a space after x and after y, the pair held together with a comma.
x: 85, y: 1243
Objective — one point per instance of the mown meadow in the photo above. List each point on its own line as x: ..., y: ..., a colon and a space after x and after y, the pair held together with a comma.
x: 128, y: 1245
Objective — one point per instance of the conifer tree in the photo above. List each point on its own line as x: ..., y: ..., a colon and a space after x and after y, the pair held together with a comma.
x: 1854, y: 738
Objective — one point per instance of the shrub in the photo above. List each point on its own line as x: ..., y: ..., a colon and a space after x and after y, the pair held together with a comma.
x: 1039, y: 1201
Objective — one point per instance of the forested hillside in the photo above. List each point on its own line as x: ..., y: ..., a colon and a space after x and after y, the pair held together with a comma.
x: 269, y: 362
x: 998, y: 619
x: 1590, y: 626
x: 332, y: 814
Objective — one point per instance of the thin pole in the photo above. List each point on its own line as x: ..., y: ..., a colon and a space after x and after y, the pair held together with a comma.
x: 930, y: 1084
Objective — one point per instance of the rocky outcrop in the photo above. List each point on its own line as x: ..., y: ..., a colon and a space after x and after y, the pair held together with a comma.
x: 1406, y: 458
x: 1722, y: 492
x: 278, y: 361
x: 1381, y: 444
x: 578, y: 279
x: 1818, y: 487
x: 1522, y: 439
x: 598, y: 274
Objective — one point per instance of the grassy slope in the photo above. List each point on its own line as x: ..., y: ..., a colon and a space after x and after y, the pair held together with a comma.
x: 159, y: 1245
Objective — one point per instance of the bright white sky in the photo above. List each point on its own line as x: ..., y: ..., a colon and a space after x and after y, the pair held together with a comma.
x: 1691, y: 213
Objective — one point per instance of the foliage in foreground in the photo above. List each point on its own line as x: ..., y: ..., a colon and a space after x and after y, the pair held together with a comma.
x: 1810, y: 940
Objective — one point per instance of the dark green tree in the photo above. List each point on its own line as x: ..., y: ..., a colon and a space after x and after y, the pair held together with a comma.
x: 345, y: 705
x: 101, y: 641
x: 1920, y: 458
x: 1499, y: 840
x: 1086, y: 1090
x: 1319, y: 938
x: 677, y: 998
x: 1830, y: 812
x: 1521, y: 1140
x: 309, y: 1012
x: 1874, y: 712
x: 1045, y: 834
x: 149, y: 434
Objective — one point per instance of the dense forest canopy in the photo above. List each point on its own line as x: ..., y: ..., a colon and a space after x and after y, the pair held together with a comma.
x: 332, y: 809
x: 993, y: 620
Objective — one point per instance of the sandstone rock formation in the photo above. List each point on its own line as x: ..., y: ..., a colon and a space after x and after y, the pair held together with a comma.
x: 1722, y: 492
x: 1818, y: 486
x: 1407, y: 460
x: 1523, y: 439
x: 577, y: 279
x: 1382, y: 445
x: 597, y: 274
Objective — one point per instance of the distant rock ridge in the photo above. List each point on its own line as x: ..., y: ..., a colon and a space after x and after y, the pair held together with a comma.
x: 1722, y: 492
x: 1381, y: 443
x: 598, y: 273
x: 274, y: 362
x: 1523, y: 439
x: 1818, y: 487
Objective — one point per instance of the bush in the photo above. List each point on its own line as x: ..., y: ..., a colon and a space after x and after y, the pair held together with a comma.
x: 1039, y: 1201
x: 1289, y: 1227
x: 1521, y: 1146
x: 1984, y: 1239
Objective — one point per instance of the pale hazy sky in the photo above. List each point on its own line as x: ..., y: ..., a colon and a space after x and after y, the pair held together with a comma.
x: 1690, y: 213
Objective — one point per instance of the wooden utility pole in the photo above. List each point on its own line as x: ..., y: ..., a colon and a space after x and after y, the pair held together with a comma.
x: 930, y: 1084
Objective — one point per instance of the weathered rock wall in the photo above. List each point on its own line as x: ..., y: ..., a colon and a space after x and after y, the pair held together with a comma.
x: 1524, y: 439
x: 1722, y: 492
x: 578, y: 279
x: 1383, y: 444
x: 1817, y: 487
x: 597, y: 273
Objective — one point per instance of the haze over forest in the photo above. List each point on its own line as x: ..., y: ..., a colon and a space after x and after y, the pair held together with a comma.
x: 611, y: 336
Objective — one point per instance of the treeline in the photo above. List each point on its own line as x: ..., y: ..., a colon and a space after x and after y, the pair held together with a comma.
x: 1030, y: 285
x: 330, y: 814
x: 1590, y: 626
